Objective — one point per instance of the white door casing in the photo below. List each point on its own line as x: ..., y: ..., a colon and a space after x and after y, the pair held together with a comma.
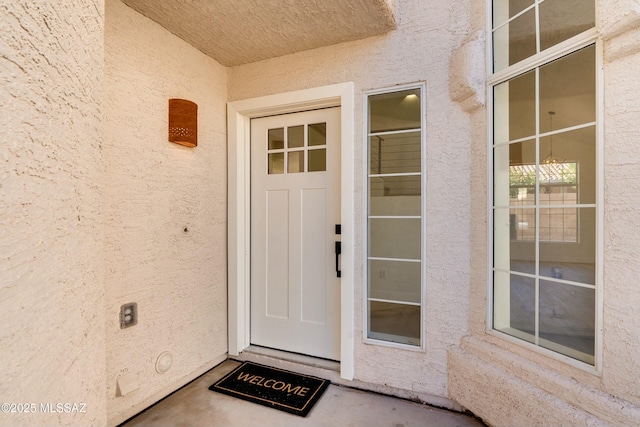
x: 295, y: 205
x: 239, y: 114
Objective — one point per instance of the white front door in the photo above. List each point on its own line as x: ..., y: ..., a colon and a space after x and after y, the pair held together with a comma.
x: 295, y: 207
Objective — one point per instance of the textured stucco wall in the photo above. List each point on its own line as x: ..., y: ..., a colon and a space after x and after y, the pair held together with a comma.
x: 155, y: 190
x: 419, y: 50
x: 620, y: 27
x: 506, y: 384
x: 51, y: 188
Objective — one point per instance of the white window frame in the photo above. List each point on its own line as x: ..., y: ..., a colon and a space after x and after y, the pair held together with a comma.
x: 587, y: 38
x: 365, y: 244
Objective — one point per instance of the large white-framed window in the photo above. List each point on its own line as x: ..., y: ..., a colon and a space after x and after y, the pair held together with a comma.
x: 395, y: 221
x: 545, y: 186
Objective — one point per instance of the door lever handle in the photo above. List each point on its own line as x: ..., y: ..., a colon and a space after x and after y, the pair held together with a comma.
x: 338, y: 250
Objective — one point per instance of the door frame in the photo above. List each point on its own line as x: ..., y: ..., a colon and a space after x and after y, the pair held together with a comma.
x: 239, y: 115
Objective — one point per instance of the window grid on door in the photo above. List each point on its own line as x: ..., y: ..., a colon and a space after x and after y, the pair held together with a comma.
x: 297, y: 149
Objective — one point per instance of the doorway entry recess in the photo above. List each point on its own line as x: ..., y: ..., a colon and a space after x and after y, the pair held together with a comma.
x: 239, y: 115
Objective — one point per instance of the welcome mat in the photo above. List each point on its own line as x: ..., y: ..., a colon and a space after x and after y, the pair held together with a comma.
x: 276, y: 388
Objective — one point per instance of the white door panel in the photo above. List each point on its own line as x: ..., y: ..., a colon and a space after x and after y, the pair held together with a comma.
x: 295, y: 204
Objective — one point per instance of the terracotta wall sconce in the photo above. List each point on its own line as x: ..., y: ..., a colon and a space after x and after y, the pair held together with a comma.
x: 183, y: 122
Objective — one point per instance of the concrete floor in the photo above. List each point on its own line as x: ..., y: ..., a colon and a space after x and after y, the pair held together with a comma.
x: 195, y: 405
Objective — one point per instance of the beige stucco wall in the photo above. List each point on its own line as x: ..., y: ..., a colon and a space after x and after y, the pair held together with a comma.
x: 506, y: 384
x: 165, y: 211
x: 419, y: 50
x: 94, y: 203
x: 51, y: 188
x: 621, y: 32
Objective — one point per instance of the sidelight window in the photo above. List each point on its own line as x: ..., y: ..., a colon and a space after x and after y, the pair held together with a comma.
x: 395, y: 215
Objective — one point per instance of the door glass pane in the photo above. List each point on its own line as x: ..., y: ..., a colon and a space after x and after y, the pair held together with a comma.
x: 317, y: 134
x: 295, y: 136
x: 394, y: 111
x: 562, y: 19
x: 394, y: 322
x: 568, y: 89
x: 398, y: 153
x: 515, y: 41
x: 394, y: 280
x: 276, y: 163
x: 394, y: 238
x: 276, y: 139
x: 317, y: 160
x: 295, y: 162
x: 567, y: 318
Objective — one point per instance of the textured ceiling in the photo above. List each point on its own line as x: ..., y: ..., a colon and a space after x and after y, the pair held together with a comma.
x: 237, y: 32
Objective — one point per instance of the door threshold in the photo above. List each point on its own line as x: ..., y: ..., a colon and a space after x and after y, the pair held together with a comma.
x: 300, y: 363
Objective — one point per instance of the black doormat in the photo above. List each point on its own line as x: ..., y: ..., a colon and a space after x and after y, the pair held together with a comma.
x: 276, y: 388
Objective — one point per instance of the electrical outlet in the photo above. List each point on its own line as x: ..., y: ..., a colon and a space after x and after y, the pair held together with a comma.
x: 128, y: 315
